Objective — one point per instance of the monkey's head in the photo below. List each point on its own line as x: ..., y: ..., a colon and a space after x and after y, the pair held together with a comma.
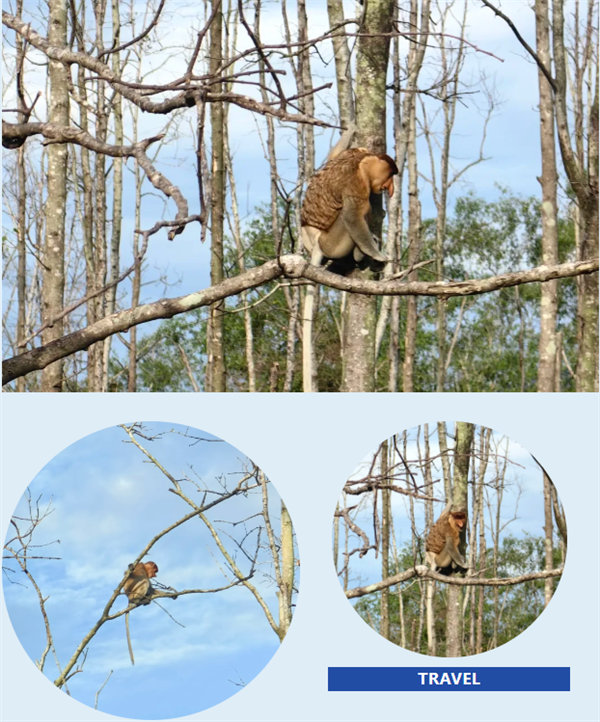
x: 380, y: 170
x: 459, y: 518
x: 151, y: 569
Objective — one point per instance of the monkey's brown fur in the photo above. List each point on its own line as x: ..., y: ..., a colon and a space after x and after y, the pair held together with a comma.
x: 337, y: 205
x: 137, y: 586
x: 327, y: 188
x: 443, y: 540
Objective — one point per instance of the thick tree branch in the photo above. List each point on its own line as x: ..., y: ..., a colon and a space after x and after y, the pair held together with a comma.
x: 291, y: 266
x: 424, y: 572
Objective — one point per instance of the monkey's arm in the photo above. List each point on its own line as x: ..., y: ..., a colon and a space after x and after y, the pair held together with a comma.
x: 353, y: 213
x: 454, y: 554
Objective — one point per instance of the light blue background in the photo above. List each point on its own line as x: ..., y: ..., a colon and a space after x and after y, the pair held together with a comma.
x: 308, y: 445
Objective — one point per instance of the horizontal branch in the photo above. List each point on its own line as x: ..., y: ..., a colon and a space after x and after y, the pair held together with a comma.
x: 424, y: 572
x: 290, y: 266
x: 450, y: 289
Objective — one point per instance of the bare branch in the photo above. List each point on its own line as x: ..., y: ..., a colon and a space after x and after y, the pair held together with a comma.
x: 293, y: 266
x: 423, y: 571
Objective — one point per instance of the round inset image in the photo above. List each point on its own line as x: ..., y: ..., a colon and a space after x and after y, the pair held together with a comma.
x: 149, y: 570
x: 449, y: 539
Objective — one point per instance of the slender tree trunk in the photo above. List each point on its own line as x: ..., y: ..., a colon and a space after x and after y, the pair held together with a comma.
x: 548, y: 536
x: 358, y: 372
x: 117, y: 194
x: 215, y: 366
x: 386, y: 528
x: 21, y: 201
x: 547, y: 366
x: 409, y: 123
x: 335, y: 12
x: 53, y: 277
x: 462, y: 456
x: 583, y: 177
x: 287, y: 571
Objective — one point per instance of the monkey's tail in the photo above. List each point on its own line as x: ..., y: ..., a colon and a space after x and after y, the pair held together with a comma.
x: 129, y: 638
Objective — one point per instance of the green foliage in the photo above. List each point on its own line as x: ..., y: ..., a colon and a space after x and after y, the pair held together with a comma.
x: 507, y: 611
x: 496, y: 347
x: 493, y: 337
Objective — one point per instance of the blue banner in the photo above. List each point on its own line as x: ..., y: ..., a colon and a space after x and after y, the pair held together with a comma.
x: 444, y: 679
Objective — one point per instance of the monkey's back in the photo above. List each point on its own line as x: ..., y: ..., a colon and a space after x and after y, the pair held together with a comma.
x: 436, y: 539
x: 324, y: 196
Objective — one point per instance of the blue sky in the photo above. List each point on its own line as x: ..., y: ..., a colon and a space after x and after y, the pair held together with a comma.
x: 107, y: 502
x: 495, y: 62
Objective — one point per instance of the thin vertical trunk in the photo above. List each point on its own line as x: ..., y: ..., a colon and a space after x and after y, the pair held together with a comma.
x: 117, y: 193
x: 287, y: 571
x: 462, y: 456
x: 547, y: 366
x: 343, y: 74
x: 21, y: 201
x: 53, y: 277
x: 215, y: 366
x: 409, y: 123
x: 386, y: 527
x: 583, y: 177
x: 548, y: 535
x: 359, y: 321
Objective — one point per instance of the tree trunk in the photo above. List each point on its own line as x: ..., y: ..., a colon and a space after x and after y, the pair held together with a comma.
x: 547, y: 366
x: 215, y: 365
x: 583, y: 177
x: 386, y: 531
x: 360, y: 314
x: 53, y: 276
x: 462, y: 457
x: 409, y: 124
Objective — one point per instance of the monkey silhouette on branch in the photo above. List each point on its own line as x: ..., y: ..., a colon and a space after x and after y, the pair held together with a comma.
x: 336, y: 207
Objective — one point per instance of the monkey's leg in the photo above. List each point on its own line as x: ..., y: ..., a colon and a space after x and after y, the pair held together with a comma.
x: 454, y: 554
x: 358, y: 230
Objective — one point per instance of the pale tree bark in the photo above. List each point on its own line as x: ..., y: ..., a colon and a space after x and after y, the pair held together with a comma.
x: 287, y: 571
x: 305, y: 145
x: 343, y: 72
x: 548, y: 370
x: 581, y: 166
x: 358, y: 364
x: 477, y: 540
x: 462, y: 456
x: 236, y: 230
x: 579, y: 153
x: 21, y: 201
x: 386, y: 531
x: 389, y: 314
x: 215, y: 352
x: 548, y: 537
x: 409, y: 128
x: 117, y: 193
x: 53, y: 276
x: 99, y: 251
x: 311, y: 293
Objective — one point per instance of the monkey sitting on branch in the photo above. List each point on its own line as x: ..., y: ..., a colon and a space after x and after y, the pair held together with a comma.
x: 441, y: 547
x: 137, y: 586
x: 336, y: 207
x: 139, y: 590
